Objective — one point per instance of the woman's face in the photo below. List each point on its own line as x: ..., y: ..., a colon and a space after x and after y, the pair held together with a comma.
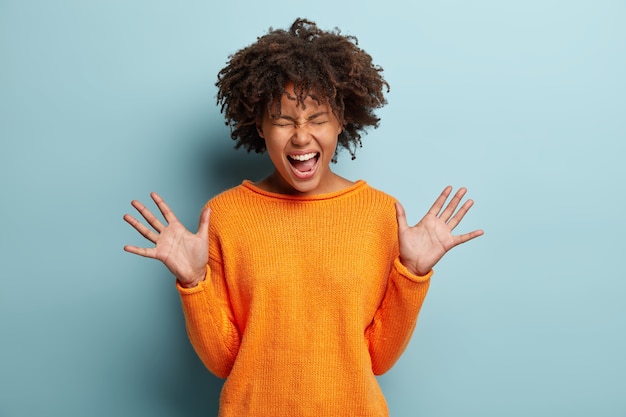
x: 301, y: 143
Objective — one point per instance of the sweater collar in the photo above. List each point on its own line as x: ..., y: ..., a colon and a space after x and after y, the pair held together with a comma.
x: 358, y: 185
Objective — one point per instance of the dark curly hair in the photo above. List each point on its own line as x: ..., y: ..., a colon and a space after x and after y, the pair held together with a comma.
x: 325, y: 65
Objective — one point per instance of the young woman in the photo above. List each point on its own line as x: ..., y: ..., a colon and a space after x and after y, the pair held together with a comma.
x: 301, y: 287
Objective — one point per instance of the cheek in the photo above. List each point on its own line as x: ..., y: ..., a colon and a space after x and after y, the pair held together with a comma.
x: 274, y: 148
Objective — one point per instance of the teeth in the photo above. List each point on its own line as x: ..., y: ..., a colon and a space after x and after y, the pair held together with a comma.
x: 304, y: 157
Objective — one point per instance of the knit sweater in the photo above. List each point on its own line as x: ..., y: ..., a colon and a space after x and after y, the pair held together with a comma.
x: 305, y: 301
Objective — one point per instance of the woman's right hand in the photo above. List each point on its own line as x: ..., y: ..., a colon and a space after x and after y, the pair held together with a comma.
x: 185, y: 254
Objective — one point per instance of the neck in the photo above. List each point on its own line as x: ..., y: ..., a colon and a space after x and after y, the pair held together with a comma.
x: 274, y: 183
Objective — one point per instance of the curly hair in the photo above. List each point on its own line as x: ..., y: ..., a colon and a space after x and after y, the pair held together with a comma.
x: 325, y: 65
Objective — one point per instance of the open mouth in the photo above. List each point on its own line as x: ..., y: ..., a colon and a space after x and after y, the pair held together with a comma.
x: 304, y: 164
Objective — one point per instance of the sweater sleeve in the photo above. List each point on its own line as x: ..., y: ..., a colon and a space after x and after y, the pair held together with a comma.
x: 210, y: 324
x: 392, y: 327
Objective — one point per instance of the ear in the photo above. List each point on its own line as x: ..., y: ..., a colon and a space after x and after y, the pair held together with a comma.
x: 342, y: 125
x: 259, y: 130
x: 340, y: 128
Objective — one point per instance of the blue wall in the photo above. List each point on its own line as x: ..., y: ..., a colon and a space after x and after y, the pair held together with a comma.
x: 523, y: 102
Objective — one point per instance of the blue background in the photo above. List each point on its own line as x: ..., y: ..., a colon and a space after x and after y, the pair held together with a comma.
x: 102, y: 102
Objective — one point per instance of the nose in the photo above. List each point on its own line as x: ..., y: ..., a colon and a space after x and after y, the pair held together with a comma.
x: 301, y: 135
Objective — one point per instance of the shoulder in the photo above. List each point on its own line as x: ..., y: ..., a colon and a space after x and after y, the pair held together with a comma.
x: 242, y: 202
x: 375, y: 196
x: 225, y: 195
x: 235, y: 196
x: 373, y: 207
x: 378, y: 193
x: 230, y: 210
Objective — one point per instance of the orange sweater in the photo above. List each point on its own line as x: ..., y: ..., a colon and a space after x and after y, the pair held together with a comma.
x: 305, y: 301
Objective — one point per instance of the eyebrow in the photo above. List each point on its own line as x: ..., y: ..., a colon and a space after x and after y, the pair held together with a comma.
x: 311, y: 117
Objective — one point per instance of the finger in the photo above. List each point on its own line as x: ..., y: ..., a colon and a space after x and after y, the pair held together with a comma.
x: 147, y: 214
x: 438, y: 204
x: 141, y: 228
x: 456, y: 219
x: 167, y: 213
x: 401, y: 218
x: 203, y: 225
x: 467, y: 237
x: 451, y: 207
x: 145, y: 252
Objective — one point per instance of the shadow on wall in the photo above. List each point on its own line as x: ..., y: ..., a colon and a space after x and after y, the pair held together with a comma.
x: 182, y: 383
x: 224, y: 167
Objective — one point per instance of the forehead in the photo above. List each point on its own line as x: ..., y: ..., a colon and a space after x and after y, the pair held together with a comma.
x: 297, y: 97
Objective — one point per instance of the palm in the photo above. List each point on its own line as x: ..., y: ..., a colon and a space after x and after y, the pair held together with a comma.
x: 424, y: 244
x: 182, y: 252
x: 185, y: 254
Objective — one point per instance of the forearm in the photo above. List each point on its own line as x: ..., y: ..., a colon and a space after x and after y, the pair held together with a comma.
x: 210, y: 328
x: 393, y: 324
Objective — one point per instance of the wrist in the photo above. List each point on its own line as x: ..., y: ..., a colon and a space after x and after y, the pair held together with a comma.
x: 190, y: 283
x: 413, y: 269
x: 187, y: 285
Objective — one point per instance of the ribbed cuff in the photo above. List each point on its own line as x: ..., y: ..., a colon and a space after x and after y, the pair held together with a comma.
x: 197, y: 288
x: 403, y: 270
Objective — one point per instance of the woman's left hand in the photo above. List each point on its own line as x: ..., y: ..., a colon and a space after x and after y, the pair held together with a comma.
x: 424, y: 244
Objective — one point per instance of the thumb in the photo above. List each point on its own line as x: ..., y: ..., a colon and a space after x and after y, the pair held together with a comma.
x: 203, y: 224
x: 401, y: 218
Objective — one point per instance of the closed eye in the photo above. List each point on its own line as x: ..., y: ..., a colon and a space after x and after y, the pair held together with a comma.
x: 316, y: 119
x: 292, y: 124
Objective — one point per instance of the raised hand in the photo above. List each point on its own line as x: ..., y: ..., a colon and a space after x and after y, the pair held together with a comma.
x: 185, y: 254
x: 424, y: 244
